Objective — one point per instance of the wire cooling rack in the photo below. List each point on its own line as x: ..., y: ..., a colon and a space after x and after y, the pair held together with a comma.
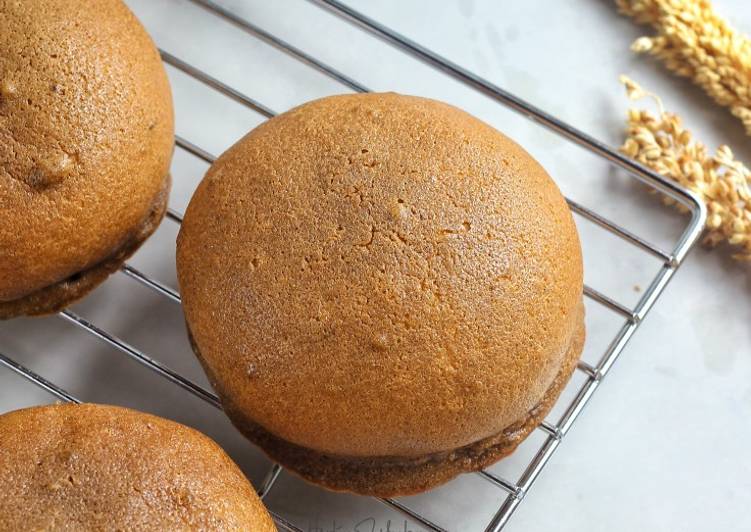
x: 511, y: 492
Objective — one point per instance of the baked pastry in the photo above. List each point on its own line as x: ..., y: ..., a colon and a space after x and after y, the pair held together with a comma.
x: 96, y: 467
x: 384, y: 291
x: 86, y: 138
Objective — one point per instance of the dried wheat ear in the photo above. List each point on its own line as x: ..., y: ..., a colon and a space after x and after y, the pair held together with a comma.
x: 693, y: 41
x: 661, y: 143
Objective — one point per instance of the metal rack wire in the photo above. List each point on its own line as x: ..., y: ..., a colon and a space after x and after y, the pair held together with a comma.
x: 512, y: 491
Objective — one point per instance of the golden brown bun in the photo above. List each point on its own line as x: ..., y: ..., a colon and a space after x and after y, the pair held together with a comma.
x: 86, y: 137
x: 95, y: 467
x: 381, y: 276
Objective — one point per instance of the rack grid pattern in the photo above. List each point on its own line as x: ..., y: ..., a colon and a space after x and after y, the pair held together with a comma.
x: 512, y: 492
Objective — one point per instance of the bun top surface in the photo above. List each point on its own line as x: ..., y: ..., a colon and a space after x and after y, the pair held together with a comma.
x: 86, y: 136
x: 375, y: 275
x: 97, y: 467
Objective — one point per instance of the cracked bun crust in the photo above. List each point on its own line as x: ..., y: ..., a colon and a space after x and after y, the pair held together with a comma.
x: 86, y: 138
x: 96, y: 467
x: 382, y: 279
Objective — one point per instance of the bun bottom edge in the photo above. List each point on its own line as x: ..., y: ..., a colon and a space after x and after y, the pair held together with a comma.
x: 56, y: 297
x: 394, y: 476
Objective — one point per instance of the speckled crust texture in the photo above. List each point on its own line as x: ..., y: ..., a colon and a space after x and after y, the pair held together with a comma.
x: 395, y: 476
x: 56, y: 297
x: 86, y: 138
x: 380, y: 275
x: 96, y: 467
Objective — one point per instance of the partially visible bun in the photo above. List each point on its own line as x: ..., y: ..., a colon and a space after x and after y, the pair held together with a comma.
x: 96, y: 467
x: 86, y: 138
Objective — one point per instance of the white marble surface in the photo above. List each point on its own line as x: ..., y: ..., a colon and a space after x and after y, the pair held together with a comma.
x: 663, y: 444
